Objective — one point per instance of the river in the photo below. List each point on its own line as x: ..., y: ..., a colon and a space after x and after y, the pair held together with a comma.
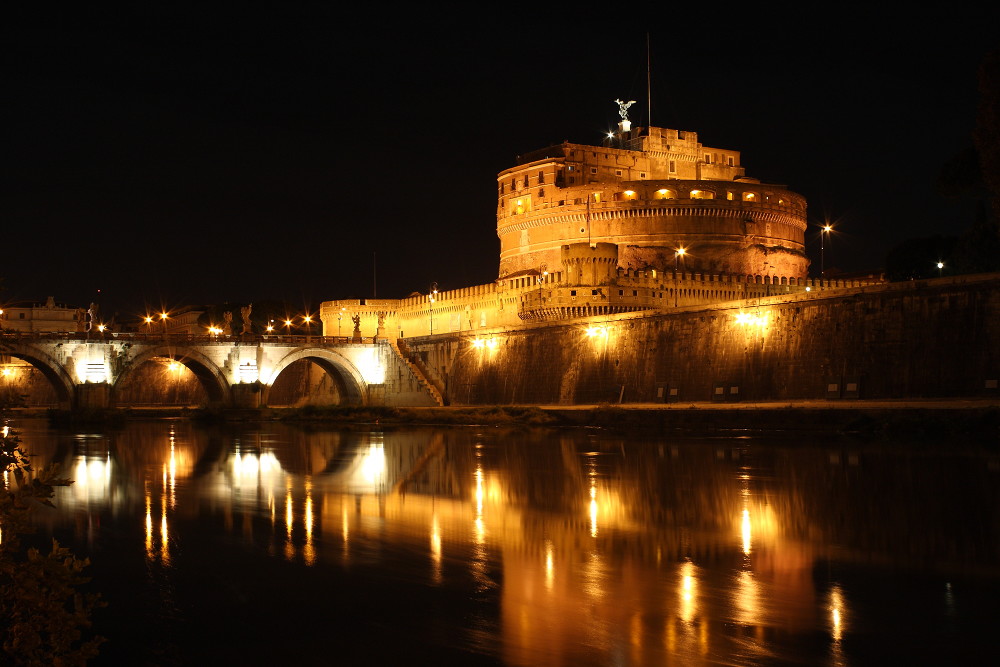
x: 271, y: 543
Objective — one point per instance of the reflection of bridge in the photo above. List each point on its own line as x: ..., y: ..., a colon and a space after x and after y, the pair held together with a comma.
x: 236, y: 371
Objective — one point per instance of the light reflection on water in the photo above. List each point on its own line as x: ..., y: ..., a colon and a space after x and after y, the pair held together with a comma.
x: 533, y: 547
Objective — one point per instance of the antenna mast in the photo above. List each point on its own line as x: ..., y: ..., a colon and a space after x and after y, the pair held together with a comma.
x: 649, y: 96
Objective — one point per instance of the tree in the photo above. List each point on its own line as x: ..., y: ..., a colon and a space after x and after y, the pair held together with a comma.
x: 43, y: 616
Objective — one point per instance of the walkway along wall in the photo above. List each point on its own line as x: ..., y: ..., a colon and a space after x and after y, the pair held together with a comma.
x: 933, y: 338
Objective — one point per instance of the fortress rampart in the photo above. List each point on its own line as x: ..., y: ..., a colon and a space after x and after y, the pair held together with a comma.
x: 933, y: 338
x: 513, y: 300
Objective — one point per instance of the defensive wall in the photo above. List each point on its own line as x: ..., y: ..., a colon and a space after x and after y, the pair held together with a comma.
x: 514, y: 300
x: 930, y: 338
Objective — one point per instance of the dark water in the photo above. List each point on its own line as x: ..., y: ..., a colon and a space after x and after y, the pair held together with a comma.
x: 268, y: 544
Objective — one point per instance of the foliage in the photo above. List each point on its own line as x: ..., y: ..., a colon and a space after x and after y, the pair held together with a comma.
x: 44, y: 615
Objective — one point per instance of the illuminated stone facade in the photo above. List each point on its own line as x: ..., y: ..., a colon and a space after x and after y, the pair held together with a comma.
x: 595, y: 230
x: 650, y: 192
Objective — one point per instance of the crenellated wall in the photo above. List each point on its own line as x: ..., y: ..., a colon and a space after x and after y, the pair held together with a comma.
x: 901, y: 340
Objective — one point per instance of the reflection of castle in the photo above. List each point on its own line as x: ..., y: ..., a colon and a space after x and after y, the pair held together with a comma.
x: 651, y: 220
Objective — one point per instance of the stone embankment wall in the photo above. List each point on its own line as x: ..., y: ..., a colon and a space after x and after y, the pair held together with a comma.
x: 933, y: 338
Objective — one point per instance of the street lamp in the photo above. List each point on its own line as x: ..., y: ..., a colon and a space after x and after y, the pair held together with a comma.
x: 430, y: 304
x: 940, y: 266
x: 163, y: 318
x: 678, y: 253
x: 540, y: 279
x: 288, y: 327
x: 822, y: 249
x: 340, y: 317
x: 148, y: 319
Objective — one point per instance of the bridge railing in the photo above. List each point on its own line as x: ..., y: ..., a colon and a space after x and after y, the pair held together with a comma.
x: 107, y: 336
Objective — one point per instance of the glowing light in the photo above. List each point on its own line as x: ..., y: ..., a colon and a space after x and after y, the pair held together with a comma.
x: 101, y: 328
x: 490, y: 344
x: 369, y: 366
x: 550, y: 570
x: 7, y: 371
x: 249, y: 372
x: 827, y: 228
x: 173, y: 366
x: 95, y: 372
x: 751, y: 319
x: 373, y: 465
x: 595, y: 331
x: 593, y: 511
x: 163, y: 316
x: 436, y: 548
x: 837, y: 613
x: 681, y: 251
x: 745, y: 529
x: 479, y: 491
x: 630, y: 193
x: 309, y: 550
x: 148, y: 319
x: 687, y: 592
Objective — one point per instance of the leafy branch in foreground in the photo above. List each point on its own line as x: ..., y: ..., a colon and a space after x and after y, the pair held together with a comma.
x: 42, y: 614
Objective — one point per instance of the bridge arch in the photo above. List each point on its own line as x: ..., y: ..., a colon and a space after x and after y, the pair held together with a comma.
x: 350, y: 383
x: 49, y: 368
x: 211, y: 377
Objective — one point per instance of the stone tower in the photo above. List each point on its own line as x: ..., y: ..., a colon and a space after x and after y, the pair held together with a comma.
x: 649, y: 191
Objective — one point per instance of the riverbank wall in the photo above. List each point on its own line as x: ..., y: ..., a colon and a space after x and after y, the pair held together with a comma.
x: 930, y: 338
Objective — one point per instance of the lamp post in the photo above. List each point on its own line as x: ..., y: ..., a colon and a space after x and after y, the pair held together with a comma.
x: 149, y: 324
x: 288, y: 327
x: 678, y: 253
x: 163, y: 318
x: 430, y: 304
x: 822, y: 250
x: 340, y: 317
x: 540, y: 279
x: 940, y: 266
x: 307, y: 320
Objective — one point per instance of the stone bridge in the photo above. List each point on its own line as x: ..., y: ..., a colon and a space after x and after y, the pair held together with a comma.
x: 235, y: 371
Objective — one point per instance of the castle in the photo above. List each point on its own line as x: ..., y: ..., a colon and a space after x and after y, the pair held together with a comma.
x: 651, y: 219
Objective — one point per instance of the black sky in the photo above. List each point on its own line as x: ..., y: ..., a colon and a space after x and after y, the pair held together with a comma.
x: 188, y: 156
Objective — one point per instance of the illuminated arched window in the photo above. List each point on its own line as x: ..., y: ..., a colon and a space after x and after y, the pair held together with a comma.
x: 665, y: 193
x: 702, y: 194
x: 751, y: 196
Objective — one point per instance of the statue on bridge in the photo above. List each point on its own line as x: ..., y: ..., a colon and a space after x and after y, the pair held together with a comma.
x: 245, y: 312
x: 357, y: 328
x: 81, y: 320
x: 92, y: 313
x: 227, y: 323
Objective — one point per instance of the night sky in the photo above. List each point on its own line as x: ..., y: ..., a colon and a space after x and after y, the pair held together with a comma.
x: 178, y: 156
